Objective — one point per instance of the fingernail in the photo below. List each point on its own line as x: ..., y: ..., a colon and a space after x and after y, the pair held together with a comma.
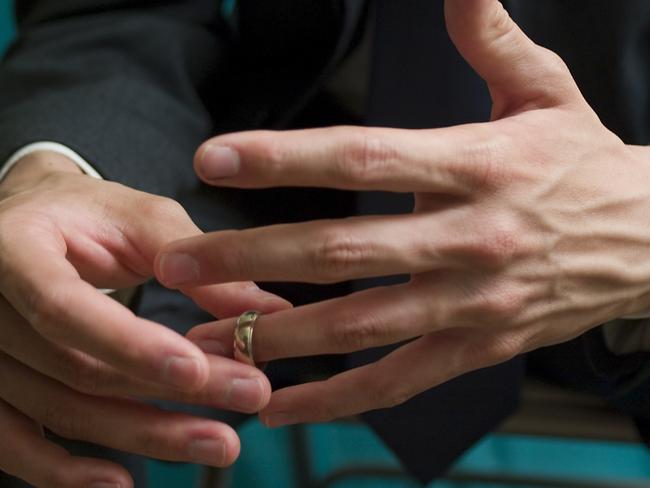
x: 219, y: 162
x: 211, y: 452
x: 210, y: 346
x: 181, y: 372
x: 277, y: 420
x: 104, y: 484
x: 246, y: 394
x: 178, y: 269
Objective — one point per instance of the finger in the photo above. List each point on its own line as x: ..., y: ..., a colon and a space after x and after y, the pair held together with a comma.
x: 515, y: 68
x: 37, y: 461
x: 215, y: 337
x: 407, y: 371
x: 370, y: 318
x: 349, y: 158
x: 119, y: 424
x: 232, y: 299
x: 72, y: 313
x: 230, y: 385
x: 101, y: 269
x: 129, y: 241
x: 123, y: 255
x: 107, y: 243
x: 323, y: 251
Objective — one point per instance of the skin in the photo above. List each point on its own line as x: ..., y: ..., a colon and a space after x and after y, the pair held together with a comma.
x: 76, y: 361
x: 528, y: 230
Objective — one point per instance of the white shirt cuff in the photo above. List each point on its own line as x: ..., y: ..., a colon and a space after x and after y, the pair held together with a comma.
x: 53, y: 147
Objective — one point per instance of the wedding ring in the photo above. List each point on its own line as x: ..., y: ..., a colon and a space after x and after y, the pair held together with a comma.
x: 243, y: 337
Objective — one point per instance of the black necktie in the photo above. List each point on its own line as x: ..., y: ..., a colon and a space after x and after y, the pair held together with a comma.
x: 419, y: 80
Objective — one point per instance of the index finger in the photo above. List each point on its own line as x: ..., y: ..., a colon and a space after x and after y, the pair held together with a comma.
x: 46, y: 289
x: 351, y: 158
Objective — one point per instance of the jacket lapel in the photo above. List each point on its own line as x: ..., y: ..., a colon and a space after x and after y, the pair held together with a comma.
x: 282, y: 52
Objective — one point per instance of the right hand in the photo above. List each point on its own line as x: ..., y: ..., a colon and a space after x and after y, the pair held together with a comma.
x: 73, y: 360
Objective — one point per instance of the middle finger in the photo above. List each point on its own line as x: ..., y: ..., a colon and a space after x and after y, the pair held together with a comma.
x: 324, y: 251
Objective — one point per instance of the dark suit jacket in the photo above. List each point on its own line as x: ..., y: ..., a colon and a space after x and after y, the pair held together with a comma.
x: 134, y: 86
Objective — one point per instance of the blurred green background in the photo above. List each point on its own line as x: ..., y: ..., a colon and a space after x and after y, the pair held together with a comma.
x: 268, y: 457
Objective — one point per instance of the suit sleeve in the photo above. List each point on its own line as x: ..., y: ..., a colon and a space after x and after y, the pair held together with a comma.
x: 123, y: 83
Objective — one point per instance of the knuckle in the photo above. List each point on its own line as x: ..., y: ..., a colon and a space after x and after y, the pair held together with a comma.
x: 496, y: 303
x: 89, y: 378
x: 337, y: 254
x: 232, y: 258
x: 498, y: 245
x: 488, y: 350
x: 274, y: 152
x: 502, y: 25
x: 364, y: 157
x: 161, y: 209
x: 355, y: 331
x: 474, y: 355
x: 554, y: 65
x: 483, y: 164
x: 149, y: 442
x: 46, y: 309
x: 503, y: 347
x: 66, y: 421
x: 502, y: 306
x: 58, y: 475
x: 391, y: 394
x: 68, y: 370
x: 440, y: 313
x: 272, y: 149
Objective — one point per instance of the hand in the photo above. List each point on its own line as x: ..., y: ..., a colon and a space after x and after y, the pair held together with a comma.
x: 73, y: 359
x: 527, y: 231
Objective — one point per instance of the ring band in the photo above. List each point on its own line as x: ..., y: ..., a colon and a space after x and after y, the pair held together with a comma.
x: 243, y: 337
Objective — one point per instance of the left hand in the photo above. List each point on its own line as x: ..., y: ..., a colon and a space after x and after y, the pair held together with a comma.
x: 527, y: 231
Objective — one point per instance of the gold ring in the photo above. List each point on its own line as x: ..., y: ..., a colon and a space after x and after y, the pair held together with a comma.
x: 243, y: 336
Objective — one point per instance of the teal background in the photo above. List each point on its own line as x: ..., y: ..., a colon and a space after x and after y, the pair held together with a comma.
x: 7, y: 30
x: 267, y: 459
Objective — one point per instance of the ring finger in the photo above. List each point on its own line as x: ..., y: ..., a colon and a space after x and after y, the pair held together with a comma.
x: 370, y: 318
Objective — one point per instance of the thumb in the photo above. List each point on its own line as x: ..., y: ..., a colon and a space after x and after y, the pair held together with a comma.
x: 162, y: 221
x: 517, y: 70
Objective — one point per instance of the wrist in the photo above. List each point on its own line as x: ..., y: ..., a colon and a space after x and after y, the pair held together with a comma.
x: 641, y: 306
x: 33, y: 168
